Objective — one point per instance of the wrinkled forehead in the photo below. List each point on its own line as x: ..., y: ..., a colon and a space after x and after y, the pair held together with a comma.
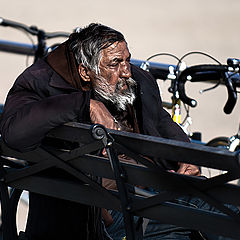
x: 117, y: 49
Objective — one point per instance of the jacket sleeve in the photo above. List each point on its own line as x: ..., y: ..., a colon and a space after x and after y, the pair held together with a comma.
x: 27, y: 117
x: 168, y: 128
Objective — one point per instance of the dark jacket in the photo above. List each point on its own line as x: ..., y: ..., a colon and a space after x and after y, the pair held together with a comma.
x: 40, y: 100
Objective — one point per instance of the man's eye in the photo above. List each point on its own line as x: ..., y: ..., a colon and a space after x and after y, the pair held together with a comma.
x: 114, y: 64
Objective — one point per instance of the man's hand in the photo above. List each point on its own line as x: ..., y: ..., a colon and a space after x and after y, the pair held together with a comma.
x: 107, y: 218
x: 188, y: 169
x: 100, y: 114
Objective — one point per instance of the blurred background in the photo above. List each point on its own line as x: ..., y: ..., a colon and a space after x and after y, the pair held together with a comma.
x: 150, y: 27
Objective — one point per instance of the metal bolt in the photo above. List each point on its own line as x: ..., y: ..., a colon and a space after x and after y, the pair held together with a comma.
x: 122, y: 175
x: 99, y: 132
x: 128, y: 207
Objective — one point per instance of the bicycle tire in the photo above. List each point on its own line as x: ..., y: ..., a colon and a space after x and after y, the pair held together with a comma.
x: 219, y: 142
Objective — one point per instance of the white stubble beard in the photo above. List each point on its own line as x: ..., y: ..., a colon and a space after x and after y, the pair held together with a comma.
x: 119, y: 99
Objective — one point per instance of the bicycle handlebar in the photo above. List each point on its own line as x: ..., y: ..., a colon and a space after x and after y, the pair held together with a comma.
x: 204, y: 73
x: 9, y: 23
x: 232, y: 96
x: 33, y: 30
x: 40, y: 49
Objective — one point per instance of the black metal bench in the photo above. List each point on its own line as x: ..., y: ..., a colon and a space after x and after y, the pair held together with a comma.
x: 23, y: 171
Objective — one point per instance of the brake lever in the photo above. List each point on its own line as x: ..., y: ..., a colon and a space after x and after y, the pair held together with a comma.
x: 232, y: 95
x: 172, y: 77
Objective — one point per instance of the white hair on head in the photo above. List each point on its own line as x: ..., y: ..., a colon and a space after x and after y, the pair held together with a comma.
x: 88, y: 43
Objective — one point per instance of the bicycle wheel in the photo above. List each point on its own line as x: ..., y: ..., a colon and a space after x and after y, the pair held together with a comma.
x: 219, y: 142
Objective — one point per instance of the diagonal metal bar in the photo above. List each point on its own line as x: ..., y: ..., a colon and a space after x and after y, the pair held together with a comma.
x: 85, y: 149
x: 100, y: 133
x: 123, y: 194
x: 28, y: 171
x: 79, y: 175
x: 45, y: 164
x: 153, y: 201
x: 199, y: 189
x: 136, y: 157
x: 51, y: 161
x: 218, y: 180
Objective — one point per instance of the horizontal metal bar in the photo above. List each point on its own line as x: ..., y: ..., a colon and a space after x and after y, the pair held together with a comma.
x: 165, y: 213
x: 157, y: 147
x: 67, y: 190
x: 17, y: 48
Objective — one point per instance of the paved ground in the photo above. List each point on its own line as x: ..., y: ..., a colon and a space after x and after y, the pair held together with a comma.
x: 150, y: 27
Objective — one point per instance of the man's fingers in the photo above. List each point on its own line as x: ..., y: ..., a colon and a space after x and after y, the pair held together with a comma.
x: 104, y: 152
x: 100, y: 114
x: 188, y: 169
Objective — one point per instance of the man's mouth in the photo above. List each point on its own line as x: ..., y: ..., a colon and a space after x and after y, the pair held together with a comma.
x: 122, y: 86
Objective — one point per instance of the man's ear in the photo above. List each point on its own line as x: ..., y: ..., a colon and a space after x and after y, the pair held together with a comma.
x: 84, y: 73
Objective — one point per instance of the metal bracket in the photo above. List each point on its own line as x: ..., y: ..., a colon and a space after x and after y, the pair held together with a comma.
x: 99, y: 132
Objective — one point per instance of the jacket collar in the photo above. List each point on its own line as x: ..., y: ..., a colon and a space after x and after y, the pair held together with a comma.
x: 63, y: 62
x: 55, y: 79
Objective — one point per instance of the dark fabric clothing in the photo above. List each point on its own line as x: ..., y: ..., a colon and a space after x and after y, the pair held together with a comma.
x: 50, y: 218
x: 152, y: 118
x: 156, y: 230
x: 64, y: 63
x: 41, y: 99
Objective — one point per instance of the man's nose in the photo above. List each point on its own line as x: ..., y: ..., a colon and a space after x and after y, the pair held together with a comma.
x: 126, y: 70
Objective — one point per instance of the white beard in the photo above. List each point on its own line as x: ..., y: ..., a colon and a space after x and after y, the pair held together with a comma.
x: 119, y: 99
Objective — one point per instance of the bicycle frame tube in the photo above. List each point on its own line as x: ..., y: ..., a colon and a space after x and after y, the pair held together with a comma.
x: 176, y: 110
x: 158, y: 70
x: 235, y: 141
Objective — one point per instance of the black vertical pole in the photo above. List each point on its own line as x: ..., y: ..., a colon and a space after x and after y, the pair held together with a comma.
x: 123, y: 193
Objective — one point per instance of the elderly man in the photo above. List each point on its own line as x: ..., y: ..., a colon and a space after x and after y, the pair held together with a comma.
x: 87, y: 79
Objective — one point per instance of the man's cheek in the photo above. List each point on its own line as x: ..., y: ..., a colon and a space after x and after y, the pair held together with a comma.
x: 110, y: 77
x: 112, y: 80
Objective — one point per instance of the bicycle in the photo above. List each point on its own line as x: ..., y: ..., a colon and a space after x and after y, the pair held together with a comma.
x: 171, y: 72
x: 224, y: 74
x: 231, y: 143
x: 229, y: 77
x: 38, y: 50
